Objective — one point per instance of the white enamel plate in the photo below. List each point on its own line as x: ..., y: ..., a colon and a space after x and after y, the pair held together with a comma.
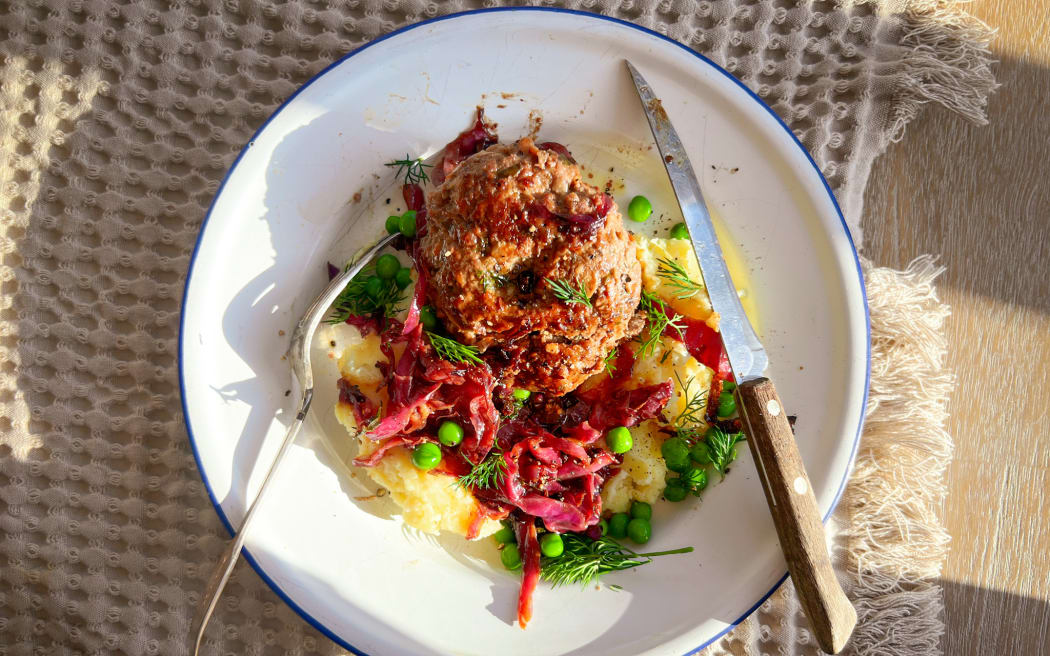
x: 311, y: 187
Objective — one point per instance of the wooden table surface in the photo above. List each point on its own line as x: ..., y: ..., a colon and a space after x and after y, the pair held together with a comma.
x: 980, y: 197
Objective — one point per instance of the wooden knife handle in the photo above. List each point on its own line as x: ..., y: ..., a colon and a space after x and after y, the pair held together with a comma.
x: 795, y: 514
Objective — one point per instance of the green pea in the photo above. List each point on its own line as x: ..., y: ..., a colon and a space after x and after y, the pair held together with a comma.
x: 373, y: 287
x: 428, y: 318
x: 407, y: 223
x: 700, y: 454
x: 679, y: 231
x: 510, y: 557
x: 604, y: 526
x: 728, y: 386
x: 521, y: 394
x: 618, y: 525
x: 551, y: 545
x: 450, y: 433
x: 676, y: 454
x: 694, y: 478
x: 504, y: 536
x: 726, y: 404
x: 675, y: 491
x: 619, y: 440
x: 639, y: 209
x: 641, y: 510
x: 426, y: 456
x: 393, y: 224
x: 639, y: 530
x: 403, y: 278
x: 387, y: 266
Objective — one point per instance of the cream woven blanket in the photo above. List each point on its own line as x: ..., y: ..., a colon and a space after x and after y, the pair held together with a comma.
x: 118, y: 119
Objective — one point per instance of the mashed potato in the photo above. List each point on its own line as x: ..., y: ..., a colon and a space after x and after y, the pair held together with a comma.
x: 672, y: 360
x: 680, y: 251
x: 357, y: 363
x: 642, y: 476
x: 429, y: 501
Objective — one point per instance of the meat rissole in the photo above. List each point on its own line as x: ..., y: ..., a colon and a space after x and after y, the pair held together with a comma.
x: 506, y: 221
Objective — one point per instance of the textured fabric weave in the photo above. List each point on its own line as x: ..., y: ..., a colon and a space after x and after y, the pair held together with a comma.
x: 118, y: 120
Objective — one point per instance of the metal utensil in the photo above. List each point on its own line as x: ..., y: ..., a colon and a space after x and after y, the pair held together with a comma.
x: 787, y: 487
x: 299, y: 356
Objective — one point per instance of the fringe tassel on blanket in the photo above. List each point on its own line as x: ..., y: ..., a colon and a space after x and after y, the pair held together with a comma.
x: 894, y: 538
x: 948, y: 62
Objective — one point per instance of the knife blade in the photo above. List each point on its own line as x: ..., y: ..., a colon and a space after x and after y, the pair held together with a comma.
x: 788, y: 491
x: 747, y: 357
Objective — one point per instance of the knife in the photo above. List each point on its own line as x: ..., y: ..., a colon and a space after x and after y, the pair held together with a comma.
x: 770, y: 437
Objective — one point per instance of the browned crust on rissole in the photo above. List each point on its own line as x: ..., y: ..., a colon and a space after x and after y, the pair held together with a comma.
x: 487, y: 257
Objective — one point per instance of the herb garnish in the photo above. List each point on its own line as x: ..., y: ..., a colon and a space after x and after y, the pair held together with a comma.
x: 355, y: 299
x: 721, y: 446
x: 585, y: 560
x: 566, y: 293
x: 451, y: 350
x: 610, y: 361
x: 657, y: 321
x: 374, y: 422
x: 414, y: 170
x: 678, y: 278
x: 692, y: 415
x: 486, y: 474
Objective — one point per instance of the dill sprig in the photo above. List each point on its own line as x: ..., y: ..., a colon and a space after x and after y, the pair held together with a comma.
x: 414, y: 170
x: 373, y: 422
x: 610, y: 361
x: 692, y: 415
x: 585, y: 560
x: 451, y: 350
x: 564, y: 291
x: 488, y: 473
x: 355, y: 299
x: 678, y: 278
x: 657, y: 321
x: 721, y: 447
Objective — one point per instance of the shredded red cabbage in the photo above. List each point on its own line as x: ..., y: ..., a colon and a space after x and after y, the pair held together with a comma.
x: 364, y: 409
x: 367, y: 325
x: 624, y: 407
x: 555, y: 460
x: 558, y: 148
x: 414, y: 199
x: 579, y: 223
x: 419, y: 299
x: 385, y: 448
x: 530, y: 572
x: 479, y: 137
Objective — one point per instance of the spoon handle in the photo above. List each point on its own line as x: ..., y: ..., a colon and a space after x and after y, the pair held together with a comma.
x: 232, y: 553
x: 795, y: 514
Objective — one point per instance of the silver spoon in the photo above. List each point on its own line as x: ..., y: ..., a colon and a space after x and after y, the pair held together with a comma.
x: 299, y: 356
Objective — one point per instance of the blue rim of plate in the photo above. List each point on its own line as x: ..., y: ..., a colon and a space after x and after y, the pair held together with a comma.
x: 554, y: 10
